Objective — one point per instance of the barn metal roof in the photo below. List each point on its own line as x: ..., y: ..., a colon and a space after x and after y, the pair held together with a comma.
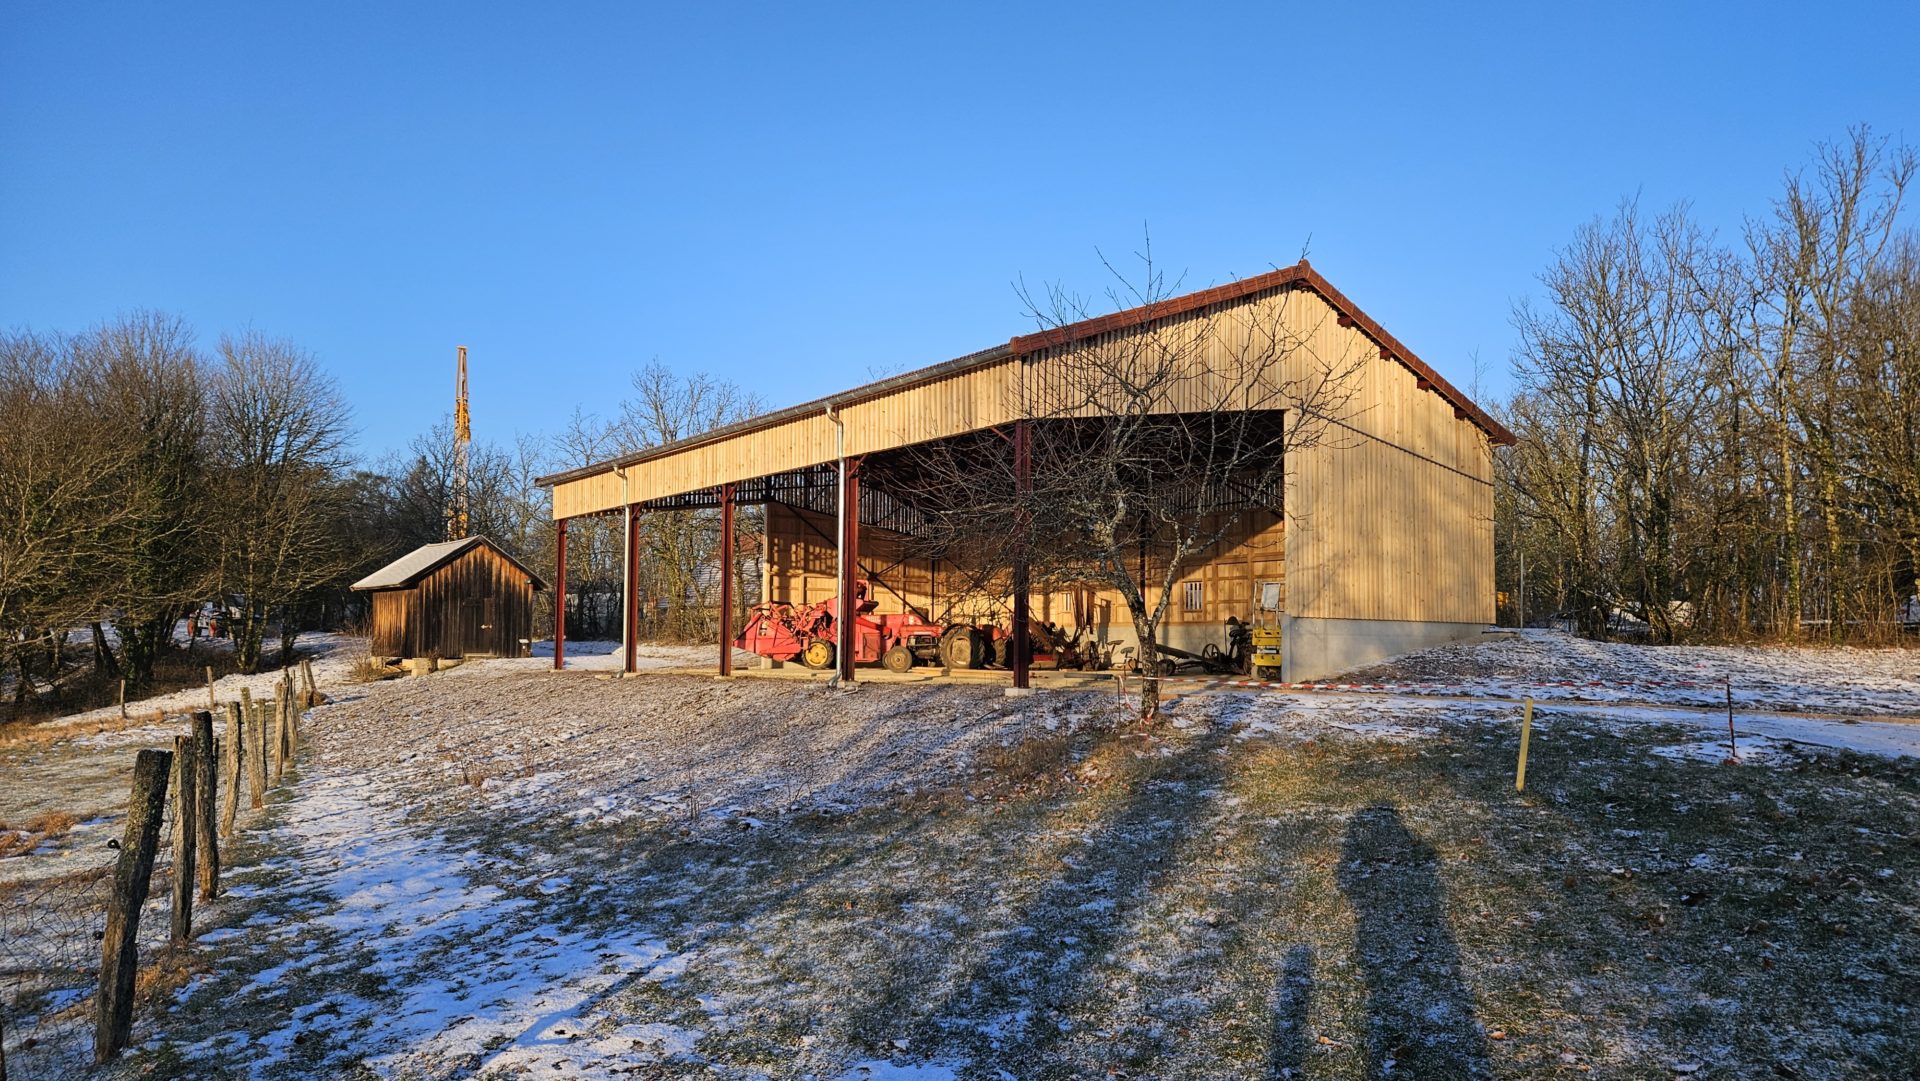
x: 424, y: 560
x: 1300, y: 274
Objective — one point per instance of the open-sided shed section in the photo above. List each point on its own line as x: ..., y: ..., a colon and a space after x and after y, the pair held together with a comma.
x: 1383, y: 542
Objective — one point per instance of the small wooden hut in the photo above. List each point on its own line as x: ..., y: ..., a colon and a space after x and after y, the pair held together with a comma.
x: 464, y: 598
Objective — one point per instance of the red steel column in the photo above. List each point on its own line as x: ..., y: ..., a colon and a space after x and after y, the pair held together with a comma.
x: 726, y: 579
x: 1023, y: 482
x: 850, y: 544
x: 559, y: 594
x: 632, y: 599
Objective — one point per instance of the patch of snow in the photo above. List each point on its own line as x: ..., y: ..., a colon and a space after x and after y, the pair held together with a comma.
x: 1550, y: 665
x: 881, y: 1070
x: 464, y: 969
x: 1753, y: 751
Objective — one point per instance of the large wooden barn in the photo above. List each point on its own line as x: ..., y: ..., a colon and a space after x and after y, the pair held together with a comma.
x: 464, y: 598
x: 1382, y: 544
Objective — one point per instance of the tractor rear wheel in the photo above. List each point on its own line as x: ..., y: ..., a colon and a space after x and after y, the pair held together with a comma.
x: 957, y: 649
x: 818, y: 655
x: 897, y: 659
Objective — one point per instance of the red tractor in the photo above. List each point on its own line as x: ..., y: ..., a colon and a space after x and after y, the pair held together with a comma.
x: 989, y: 645
x: 786, y: 632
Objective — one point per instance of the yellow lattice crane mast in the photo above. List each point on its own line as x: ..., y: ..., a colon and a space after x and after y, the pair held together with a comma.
x: 458, y: 507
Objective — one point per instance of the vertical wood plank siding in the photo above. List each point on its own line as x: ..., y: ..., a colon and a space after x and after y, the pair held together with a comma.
x: 479, y: 603
x: 1390, y: 517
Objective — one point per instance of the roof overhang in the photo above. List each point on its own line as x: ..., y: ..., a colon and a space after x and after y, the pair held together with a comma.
x: 407, y: 571
x: 1300, y: 275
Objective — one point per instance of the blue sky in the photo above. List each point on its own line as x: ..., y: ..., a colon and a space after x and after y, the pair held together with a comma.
x: 798, y: 196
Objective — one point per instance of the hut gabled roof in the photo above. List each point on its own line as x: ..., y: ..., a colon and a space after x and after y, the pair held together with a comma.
x: 424, y: 560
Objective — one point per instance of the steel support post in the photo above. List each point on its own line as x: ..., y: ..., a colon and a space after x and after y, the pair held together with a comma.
x: 632, y: 598
x: 1023, y: 481
x: 559, y: 594
x: 850, y: 568
x: 726, y: 579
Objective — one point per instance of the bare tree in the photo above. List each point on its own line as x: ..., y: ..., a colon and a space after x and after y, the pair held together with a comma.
x: 1146, y: 446
x: 1619, y: 375
x: 681, y: 547
x: 1723, y: 437
x: 1829, y: 231
x: 279, y: 428
x: 61, y: 513
x: 1883, y: 333
x: 678, y: 547
x: 154, y: 400
x: 422, y: 489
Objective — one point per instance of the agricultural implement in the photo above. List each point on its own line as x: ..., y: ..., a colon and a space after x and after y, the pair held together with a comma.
x: 991, y: 646
x: 1211, y: 659
x: 808, y: 633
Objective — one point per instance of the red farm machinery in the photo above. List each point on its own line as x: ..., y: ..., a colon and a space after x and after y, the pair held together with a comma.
x: 807, y: 633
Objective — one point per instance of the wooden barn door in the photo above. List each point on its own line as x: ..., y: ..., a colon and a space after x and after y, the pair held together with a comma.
x: 479, y: 632
x: 486, y: 635
x: 471, y: 638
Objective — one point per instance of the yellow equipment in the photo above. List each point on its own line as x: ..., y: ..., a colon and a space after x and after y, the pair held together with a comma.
x: 458, y: 505
x: 1266, y: 652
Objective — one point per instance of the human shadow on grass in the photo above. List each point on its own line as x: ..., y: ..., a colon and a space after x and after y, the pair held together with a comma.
x: 1287, y: 1044
x: 1012, y: 1008
x: 1420, y: 1012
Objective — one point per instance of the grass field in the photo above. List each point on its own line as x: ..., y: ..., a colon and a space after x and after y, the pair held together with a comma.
x: 1264, y: 887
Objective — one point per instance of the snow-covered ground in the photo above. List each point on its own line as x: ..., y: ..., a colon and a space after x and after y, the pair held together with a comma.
x: 596, y: 655
x: 334, y: 657
x: 503, y: 872
x: 1551, y: 665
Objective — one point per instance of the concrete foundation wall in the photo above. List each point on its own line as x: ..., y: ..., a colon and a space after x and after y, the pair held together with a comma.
x: 1318, y: 648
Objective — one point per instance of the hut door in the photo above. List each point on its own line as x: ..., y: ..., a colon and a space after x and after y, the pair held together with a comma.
x: 476, y: 626
x: 470, y: 639
x: 484, y: 635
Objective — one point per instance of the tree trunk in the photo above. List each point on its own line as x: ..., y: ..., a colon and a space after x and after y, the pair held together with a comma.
x: 1149, y: 659
x: 104, y: 662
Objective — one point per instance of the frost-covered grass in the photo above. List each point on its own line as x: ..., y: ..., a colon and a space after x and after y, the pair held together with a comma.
x: 558, y: 876
x: 1548, y: 664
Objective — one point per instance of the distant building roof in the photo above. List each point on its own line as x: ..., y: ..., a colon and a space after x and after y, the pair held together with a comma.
x: 424, y: 560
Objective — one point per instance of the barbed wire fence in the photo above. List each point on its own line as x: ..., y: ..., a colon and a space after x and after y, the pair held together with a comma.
x: 54, y: 926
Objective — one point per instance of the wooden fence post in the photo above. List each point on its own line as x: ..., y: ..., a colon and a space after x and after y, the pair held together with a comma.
x: 213, y: 701
x: 256, y: 753
x: 236, y: 754
x: 186, y: 833
x: 123, y: 716
x: 119, y: 959
x: 206, y: 786
x: 293, y: 722
x: 280, y: 704
x: 1526, y: 732
x: 313, y: 690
